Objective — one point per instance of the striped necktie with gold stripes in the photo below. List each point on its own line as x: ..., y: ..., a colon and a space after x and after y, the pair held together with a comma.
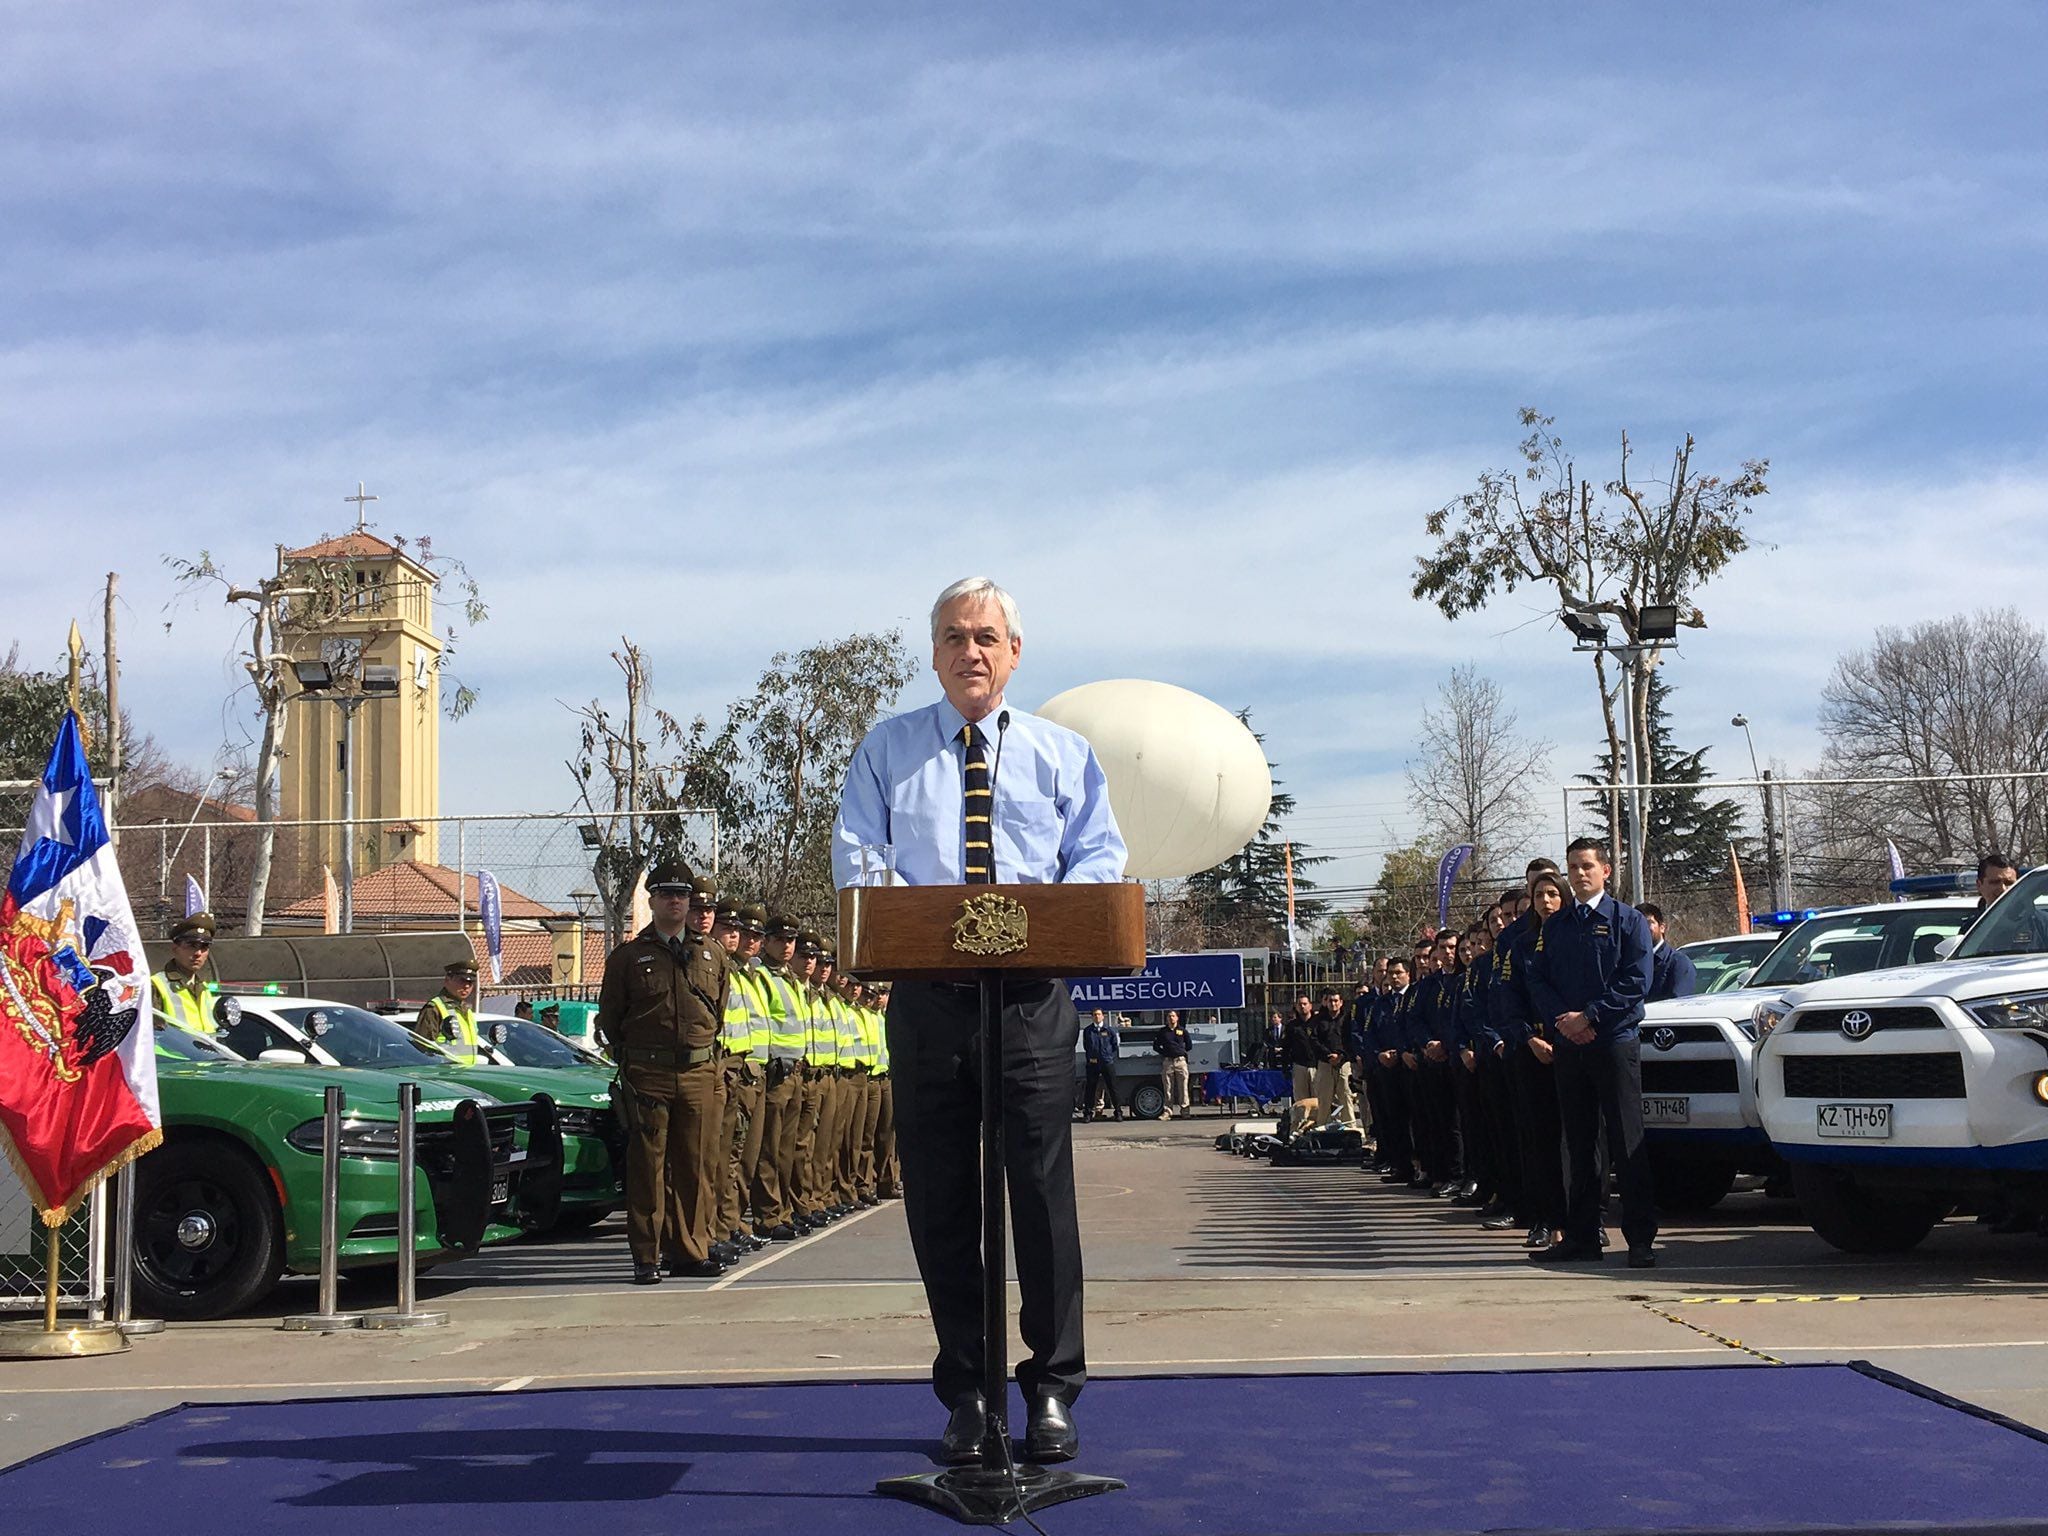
x: 979, y: 864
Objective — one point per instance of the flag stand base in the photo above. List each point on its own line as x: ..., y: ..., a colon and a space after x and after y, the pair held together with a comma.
x: 32, y: 1341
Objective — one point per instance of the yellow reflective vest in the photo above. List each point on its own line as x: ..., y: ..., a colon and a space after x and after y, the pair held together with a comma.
x: 788, y: 1014
x: 187, y: 1007
x: 457, y: 1035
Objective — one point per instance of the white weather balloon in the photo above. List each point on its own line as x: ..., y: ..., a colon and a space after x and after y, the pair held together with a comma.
x: 1187, y: 780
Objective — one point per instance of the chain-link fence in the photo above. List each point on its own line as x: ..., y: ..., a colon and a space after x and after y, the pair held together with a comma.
x: 1807, y: 842
x: 24, y: 1255
x: 399, y: 876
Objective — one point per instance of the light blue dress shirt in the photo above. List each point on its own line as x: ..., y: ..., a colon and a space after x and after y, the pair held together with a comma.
x: 906, y: 787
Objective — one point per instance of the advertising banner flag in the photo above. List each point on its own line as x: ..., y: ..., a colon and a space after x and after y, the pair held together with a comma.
x: 1898, y: 864
x: 77, y: 1050
x: 490, y: 906
x: 195, y: 898
x: 1741, y: 892
x: 1446, y: 875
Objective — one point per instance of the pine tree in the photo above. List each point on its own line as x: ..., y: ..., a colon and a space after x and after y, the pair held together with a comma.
x: 1687, y: 834
x: 1243, y: 900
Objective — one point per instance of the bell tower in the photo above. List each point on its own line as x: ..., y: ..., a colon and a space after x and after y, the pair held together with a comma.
x: 367, y: 661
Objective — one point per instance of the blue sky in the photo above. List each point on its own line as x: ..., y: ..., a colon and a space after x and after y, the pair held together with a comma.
x: 730, y: 328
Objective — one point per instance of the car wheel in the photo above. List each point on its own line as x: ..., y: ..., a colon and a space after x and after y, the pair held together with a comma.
x: 1148, y: 1101
x: 1690, y: 1184
x: 209, y: 1240
x: 1858, y: 1220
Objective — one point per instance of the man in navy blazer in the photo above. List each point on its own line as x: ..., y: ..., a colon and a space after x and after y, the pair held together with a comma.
x: 1672, y: 973
x: 1590, y: 979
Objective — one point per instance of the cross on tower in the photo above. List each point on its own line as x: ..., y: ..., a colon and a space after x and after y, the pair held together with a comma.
x: 359, y: 499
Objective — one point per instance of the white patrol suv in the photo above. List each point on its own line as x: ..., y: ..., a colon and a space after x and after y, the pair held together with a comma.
x: 1899, y: 1094
x: 1700, y: 1117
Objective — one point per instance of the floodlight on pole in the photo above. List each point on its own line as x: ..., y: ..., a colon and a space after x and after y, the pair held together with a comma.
x: 1657, y: 621
x: 314, y: 676
x: 1586, y: 628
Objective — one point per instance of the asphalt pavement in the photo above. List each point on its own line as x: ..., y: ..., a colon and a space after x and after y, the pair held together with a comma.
x: 1197, y: 1261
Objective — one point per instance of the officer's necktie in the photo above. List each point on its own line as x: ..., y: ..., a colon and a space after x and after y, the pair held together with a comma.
x: 979, y: 865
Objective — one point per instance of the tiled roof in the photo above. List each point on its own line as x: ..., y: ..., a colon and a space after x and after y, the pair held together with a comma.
x: 413, y: 888
x: 529, y: 958
x: 353, y: 545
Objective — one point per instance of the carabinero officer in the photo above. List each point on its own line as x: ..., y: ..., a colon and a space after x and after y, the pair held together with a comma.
x: 177, y: 989
x: 449, y: 1017
x: 659, y: 1011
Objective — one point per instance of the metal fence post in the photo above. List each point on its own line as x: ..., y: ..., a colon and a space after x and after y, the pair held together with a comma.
x: 408, y: 1314
x: 123, y: 1279
x: 328, y: 1319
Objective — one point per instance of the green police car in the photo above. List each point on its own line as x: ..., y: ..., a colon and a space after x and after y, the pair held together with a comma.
x: 573, y: 1179
x: 230, y: 1202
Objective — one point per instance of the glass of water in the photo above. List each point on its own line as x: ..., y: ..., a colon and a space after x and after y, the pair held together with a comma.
x: 875, y: 864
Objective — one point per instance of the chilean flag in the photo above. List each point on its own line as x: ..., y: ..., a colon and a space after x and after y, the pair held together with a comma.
x: 77, y: 1050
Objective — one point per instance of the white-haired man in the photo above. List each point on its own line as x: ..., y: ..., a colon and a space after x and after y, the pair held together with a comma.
x: 927, y: 784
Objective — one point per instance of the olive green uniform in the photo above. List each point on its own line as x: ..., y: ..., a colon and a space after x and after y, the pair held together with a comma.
x: 659, y: 1011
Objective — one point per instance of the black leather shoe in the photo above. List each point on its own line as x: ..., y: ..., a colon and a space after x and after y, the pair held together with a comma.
x: 1642, y: 1258
x: 782, y: 1232
x: 697, y: 1269
x: 1570, y: 1253
x: 647, y: 1274
x: 1538, y: 1238
x: 1500, y: 1223
x: 1050, y: 1434
x: 725, y: 1253
x: 961, y: 1443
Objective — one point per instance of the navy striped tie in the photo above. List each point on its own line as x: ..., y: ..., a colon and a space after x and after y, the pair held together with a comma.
x: 979, y: 865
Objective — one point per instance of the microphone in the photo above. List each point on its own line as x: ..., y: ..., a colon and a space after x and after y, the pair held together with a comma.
x: 995, y: 768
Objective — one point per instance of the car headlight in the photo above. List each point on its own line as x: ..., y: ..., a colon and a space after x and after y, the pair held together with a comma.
x: 2023, y: 1010
x: 577, y: 1122
x: 1766, y: 1017
x: 359, y: 1138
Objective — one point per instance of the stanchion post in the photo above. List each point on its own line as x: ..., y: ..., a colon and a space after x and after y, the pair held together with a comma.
x: 122, y: 1281
x: 328, y: 1319
x: 408, y: 1314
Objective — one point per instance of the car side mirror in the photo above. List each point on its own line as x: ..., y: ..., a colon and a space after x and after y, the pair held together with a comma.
x: 1947, y: 946
x: 1743, y: 978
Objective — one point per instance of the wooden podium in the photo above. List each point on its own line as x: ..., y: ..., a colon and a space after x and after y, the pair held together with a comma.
x: 989, y: 934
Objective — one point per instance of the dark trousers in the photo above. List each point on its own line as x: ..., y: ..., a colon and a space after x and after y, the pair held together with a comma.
x: 1602, y: 1085
x: 1389, y: 1121
x: 1101, y: 1083
x: 935, y: 1067
x: 1497, y: 1120
x: 1471, y: 1136
x: 1541, y: 1136
x: 1443, y: 1156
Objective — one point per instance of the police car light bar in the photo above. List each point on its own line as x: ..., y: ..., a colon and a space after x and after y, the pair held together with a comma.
x: 1948, y: 883
x: 1785, y: 919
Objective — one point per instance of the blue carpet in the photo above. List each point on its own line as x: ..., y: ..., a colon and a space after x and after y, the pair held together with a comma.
x: 1734, y: 1448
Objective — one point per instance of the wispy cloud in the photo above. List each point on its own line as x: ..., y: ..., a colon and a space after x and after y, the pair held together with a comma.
x: 732, y: 329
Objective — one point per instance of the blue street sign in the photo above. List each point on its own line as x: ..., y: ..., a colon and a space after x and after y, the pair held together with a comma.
x: 1168, y: 981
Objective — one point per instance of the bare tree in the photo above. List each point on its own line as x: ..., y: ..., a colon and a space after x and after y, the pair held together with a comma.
x: 626, y: 777
x: 1474, y: 776
x: 1934, y: 703
x: 1607, y: 554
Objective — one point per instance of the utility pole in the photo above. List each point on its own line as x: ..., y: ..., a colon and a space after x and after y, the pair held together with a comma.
x: 112, y: 661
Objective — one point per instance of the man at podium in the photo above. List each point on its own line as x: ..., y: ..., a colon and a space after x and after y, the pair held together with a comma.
x: 928, y: 786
